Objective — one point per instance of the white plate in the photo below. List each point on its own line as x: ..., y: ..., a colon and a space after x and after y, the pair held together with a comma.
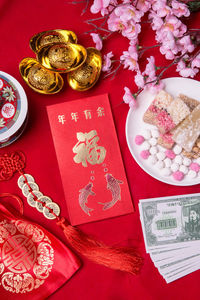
x: 135, y: 125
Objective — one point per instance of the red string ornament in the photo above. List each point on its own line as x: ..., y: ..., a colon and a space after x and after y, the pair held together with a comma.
x: 118, y: 258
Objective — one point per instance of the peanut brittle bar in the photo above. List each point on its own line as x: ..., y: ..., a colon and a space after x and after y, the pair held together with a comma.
x: 188, y: 131
x: 190, y: 102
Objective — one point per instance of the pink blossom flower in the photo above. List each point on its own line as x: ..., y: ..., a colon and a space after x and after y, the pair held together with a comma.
x: 100, y: 6
x: 188, y: 72
x: 150, y: 70
x: 132, y: 30
x: 143, y: 5
x: 107, y: 62
x: 128, y: 98
x: 169, y: 55
x: 157, y: 22
x: 130, y: 58
x: 186, y: 44
x: 97, y: 40
x: 174, y: 25
x: 156, y: 87
x: 115, y: 23
x: 128, y: 12
x: 139, y: 80
x: 180, y: 9
x: 168, y: 43
x: 161, y: 8
x: 184, y: 70
x: 196, y: 62
x: 169, y: 47
x: 181, y: 64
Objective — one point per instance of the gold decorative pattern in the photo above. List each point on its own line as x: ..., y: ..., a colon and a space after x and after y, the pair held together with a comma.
x: 38, y: 78
x: 52, y: 36
x: 62, y: 58
x: 87, y: 75
x: 29, y: 250
x: 87, y: 150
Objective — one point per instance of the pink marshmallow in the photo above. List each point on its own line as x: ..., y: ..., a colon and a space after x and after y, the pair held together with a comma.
x: 178, y: 175
x: 144, y: 154
x: 195, y: 167
x: 170, y: 154
x: 139, y: 139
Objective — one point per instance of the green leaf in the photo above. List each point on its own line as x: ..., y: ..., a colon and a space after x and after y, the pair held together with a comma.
x: 194, y: 5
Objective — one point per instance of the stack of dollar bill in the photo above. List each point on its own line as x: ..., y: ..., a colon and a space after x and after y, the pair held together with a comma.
x: 171, y: 229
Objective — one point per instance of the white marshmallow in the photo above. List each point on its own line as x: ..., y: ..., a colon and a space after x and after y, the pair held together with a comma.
x: 152, y: 159
x: 178, y: 159
x: 153, y: 141
x: 145, y: 146
x: 174, y: 167
x: 192, y: 174
x: 186, y: 161
x: 177, y: 149
x: 198, y: 160
x: 146, y: 134
x: 160, y: 155
x: 166, y: 171
x: 155, y: 133
x: 153, y: 150
x: 183, y: 169
x: 159, y: 164
x: 162, y: 149
x: 167, y: 162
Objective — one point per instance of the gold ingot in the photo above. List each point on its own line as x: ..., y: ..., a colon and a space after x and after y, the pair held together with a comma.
x: 87, y: 75
x: 50, y: 37
x: 62, y: 57
x: 38, y: 78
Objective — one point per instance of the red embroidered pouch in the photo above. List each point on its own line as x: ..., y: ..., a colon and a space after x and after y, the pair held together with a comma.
x: 33, y: 262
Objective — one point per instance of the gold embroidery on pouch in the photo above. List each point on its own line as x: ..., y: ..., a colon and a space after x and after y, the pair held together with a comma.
x: 24, y: 247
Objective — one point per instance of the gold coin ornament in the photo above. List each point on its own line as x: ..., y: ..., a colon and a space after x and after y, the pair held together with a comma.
x: 87, y: 75
x: 61, y: 57
x: 38, y: 78
x: 31, y: 197
x: 23, y: 178
x: 43, y: 200
x: 50, y: 37
x: 28, y: 187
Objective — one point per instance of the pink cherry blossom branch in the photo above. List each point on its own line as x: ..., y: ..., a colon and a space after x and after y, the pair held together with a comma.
x: 114, y: 72
x: 174, y: 40
x: 79, y: 2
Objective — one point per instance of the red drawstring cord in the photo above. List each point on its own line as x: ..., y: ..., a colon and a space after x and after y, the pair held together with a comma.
x: 19, y: 200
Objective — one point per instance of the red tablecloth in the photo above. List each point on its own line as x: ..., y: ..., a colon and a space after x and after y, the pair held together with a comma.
x: 19, y: 20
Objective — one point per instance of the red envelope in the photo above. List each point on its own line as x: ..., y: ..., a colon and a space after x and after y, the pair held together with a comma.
x: 89, y: 159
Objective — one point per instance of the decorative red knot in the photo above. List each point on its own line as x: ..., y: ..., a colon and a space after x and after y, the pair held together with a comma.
x: 62, y: 222
x: 11, y: 163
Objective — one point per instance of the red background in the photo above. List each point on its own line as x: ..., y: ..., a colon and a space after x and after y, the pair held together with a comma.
x: 19, y: 20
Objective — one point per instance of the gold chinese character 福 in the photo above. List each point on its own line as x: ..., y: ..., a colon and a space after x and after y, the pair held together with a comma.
x: 87, y: 150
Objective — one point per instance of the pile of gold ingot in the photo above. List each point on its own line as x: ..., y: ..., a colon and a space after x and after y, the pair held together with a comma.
x: 57, y: 52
